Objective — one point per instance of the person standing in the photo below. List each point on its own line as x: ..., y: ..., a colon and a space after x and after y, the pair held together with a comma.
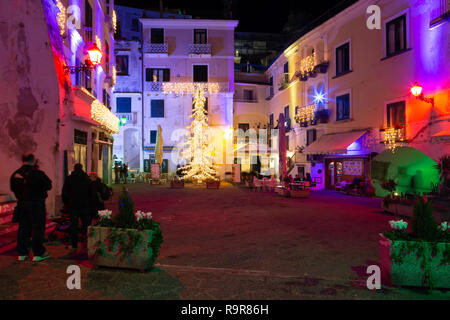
x: 117, y: 174
x: 30, y: 186
x: 125, y: 173
x: 76, y: 194
x: 99, y: 193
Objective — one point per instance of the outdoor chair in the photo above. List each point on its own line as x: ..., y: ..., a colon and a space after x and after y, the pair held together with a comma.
x: 272, y: 185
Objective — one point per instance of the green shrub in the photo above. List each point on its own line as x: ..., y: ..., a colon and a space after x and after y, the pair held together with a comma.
x: 125, y: 218
x: 424, y: 226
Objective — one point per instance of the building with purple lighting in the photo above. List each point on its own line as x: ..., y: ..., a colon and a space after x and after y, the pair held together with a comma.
x: 346, y: 89
x: 55, y: 98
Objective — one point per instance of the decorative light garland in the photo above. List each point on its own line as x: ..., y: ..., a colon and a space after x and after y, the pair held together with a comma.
x: 101, y: 114
x: 308, y: 64
x: 391, y: 138
x: 306, y: 113
x: 61, y: 17
x: 98, y: 42
x: 114, y: 75
x: 198, y: 152
x: 190, y: 87
x: 114, y: 20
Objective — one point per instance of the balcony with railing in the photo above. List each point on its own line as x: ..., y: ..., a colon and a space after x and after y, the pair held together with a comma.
x: 130, y: 118
x: 309, y: 67
x: 199, y: 49
x: 186, y: 87
x: 156, y: 48
x: 440, y: 13
x: 284, y: 81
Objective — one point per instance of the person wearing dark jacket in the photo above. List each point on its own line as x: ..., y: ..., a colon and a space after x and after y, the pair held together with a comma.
x: 99, y: 192
x: 76, y: 195
x: 30, y: 186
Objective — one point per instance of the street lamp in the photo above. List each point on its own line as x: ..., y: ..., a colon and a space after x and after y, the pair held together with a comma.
x: 416, y: 91
x: 94, y: 59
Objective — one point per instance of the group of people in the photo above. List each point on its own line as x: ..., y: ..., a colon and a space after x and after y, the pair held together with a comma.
x: 120, y: 173
x: 82, y: 195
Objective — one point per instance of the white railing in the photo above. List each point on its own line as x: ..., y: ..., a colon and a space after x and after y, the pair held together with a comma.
x: 131, y: 117
x: 156, y: 48
x: 200, y: 48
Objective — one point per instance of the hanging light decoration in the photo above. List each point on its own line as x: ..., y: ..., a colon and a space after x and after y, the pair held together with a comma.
x: 190, y: 87
x: 114, y: 20
x: 393, y: 137
x: 101, y: 114
x: 308, y: 64
x: 306, y: 114
x: 61, y: 17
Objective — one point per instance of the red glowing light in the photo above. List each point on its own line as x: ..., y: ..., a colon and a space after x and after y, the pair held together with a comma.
x: 95, y: 55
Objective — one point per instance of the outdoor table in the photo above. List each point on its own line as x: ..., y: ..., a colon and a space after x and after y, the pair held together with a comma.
x: 298, y: 185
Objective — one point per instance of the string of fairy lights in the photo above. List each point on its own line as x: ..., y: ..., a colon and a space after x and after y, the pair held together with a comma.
x: 393, y: 137
x: 306, y: 113
x: 197, y: 149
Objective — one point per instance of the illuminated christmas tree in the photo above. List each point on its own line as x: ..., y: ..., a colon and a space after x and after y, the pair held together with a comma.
x: 198, y: 151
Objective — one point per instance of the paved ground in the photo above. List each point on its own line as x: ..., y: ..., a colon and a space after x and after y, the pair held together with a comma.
x: 231, y: 243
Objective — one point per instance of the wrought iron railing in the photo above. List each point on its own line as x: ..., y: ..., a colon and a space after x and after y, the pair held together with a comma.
x: 156, y: 48
x: 88, y: 34
x: 200, y: 48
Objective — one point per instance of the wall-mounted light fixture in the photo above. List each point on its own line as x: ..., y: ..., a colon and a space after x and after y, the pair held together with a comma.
x: 416, y: 91
x: 94, y: 59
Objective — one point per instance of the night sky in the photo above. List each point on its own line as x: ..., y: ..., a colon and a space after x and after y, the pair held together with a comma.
x: 253, y: 15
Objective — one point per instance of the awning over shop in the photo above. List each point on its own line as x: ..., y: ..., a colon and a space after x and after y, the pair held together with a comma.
x: 336, y: 143
x: 442, y: 136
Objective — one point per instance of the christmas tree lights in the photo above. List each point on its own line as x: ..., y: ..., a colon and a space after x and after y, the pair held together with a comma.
x: 198, y: 151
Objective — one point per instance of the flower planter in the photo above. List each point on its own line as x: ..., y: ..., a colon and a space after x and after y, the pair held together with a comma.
x: 213, y: 185
x: 122, y: 248
x: 299, y: 193
x: 177, y: 184
x: 401, y: 264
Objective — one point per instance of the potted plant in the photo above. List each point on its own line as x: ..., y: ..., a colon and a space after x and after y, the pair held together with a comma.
x: 420, y: 257
x: 127, y: 240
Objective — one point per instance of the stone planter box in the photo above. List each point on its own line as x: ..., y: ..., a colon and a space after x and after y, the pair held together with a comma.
x: 409, y: 272
x: 299, y: 193
x: 408, y: 211
x: 100, y: 253
x: 177, y: 184
x: 213, y: 185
